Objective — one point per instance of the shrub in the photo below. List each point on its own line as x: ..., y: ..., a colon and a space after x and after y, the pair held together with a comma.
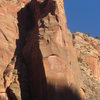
x: 99, y: 57
x: 13, y: 60
x: 80, y: 59
x: 97, y: 37
x: 14, y: 72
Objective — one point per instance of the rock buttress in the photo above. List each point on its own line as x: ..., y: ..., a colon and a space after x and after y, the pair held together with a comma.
x: 54, y: 72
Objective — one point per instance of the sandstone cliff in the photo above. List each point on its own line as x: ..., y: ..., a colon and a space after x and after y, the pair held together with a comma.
x: 88, y: 52
x: 48, y: 53
x: 37, y: 58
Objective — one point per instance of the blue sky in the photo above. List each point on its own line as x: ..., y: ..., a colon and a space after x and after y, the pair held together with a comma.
x: 83, y: 16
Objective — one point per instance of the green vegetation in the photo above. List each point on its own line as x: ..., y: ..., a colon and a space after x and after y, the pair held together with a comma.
x: 14, y: 71
x: 97, y: 37
x: 80, y: 59
x: 99, y: 57
x: 13, y: 60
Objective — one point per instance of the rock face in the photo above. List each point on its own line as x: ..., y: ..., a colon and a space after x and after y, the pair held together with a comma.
x: 88, y: 51
x: 9, y: 64
x: 48, y: 53
x: 37, y: 58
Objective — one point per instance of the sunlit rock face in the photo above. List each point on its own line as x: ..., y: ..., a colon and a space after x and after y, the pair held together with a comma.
x: 37, y: 58
x: 88, y: 51
x: 9, y: 34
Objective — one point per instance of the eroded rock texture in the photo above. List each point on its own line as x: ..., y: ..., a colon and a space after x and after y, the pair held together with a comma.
x: 11, y: 64
x: 88, y: 51
x: 37, y: 58
x: 49, y: 53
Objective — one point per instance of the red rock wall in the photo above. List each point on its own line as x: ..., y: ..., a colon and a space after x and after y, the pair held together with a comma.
x: 49, y: 53
x: 35, y: 35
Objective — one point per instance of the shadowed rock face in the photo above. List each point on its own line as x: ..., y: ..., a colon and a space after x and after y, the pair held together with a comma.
x: 48, y: 52
x: 42, y: 65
